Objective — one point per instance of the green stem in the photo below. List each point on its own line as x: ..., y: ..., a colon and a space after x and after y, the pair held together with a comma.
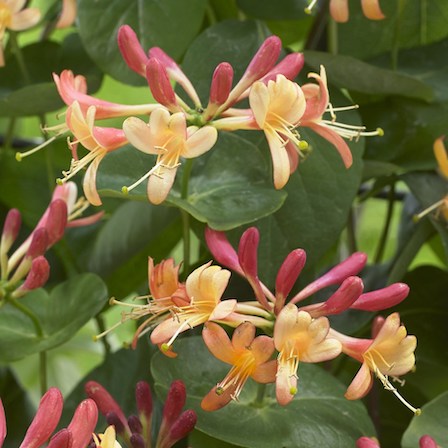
x: 185, y: 216
x: 385, y: 233
x: 423, y: 232
x: 19, y: 57
x: 332, y: 36
x: 210, y: 13
x: 396, y: 36
x: 48, y: 160
x: 261, y: 391
x: 43, y: 372
x: 7, y: 143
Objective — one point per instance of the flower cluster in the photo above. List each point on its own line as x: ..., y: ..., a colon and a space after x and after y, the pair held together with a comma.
x: 175, y: 130
x: 300, y: 333
x: 136, y: 430
x: 27, y: 268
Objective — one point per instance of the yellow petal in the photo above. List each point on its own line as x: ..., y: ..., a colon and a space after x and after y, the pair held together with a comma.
x: 441, y: 156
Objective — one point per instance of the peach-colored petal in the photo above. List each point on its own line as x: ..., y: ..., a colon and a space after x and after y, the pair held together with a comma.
x: 15, y: 5
x: 243, y: 336
x: 223, y: 309
x: 339, y: 10
x: 280, y: 160
x: 207, y: 283
x: 293, y: 156
x: 213, y: 401
x: 24, y: 19
x: 218, y: 342
x: 372, y: 10
x: 262, y: 348
x: 265, y: 373
x: 89, y: 184
x: 159, y: 185
x: 361, y: 384
x: 284, y: 385
x: 138, y: 134
x: 201, y: 141
x: 286, y: 321
x: 325, y: 350
x: 166, y: 329
x: 68, y: 14
x: 259, y: 102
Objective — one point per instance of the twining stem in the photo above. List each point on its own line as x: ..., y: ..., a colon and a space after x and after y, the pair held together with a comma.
x: 102, y: 329
x: 43, y: 372
x: 48, y: 160
x: 351, y: 232
x: 332, y: 36
x: 186, y: 217
x: 385, y: 233
x: 19, y: 57
x: 7, y: 143
x: 396, y: 36
x: 261, y: 391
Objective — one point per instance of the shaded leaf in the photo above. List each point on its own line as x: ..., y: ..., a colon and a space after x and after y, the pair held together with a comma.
x: 279, y: 10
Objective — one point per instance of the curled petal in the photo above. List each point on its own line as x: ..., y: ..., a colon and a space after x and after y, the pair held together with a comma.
x: 24, y: 19
x: 285, y: 386
x: 138, y: 134
x: 361, y: 384
x: 372, y: 10
x: 265, y: 373
x: 441, y: 156
x: 339, y: 10
x: 201, y: 141
x: 159, y: 184
x: 89, y: 183
x: 68, y: 14
x: 223, y: 309
x: 214, y: 401
x: 218, y: 342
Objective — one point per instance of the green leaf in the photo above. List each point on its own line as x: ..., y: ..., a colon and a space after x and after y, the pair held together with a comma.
x: 133, y: 232
x: 430, y: 188
x: 61, y: 314
x: 355, y: 75
x: 279, y: 10
x: 20, y: 97
x: 230, y: 185
x: 319, y: 416
x: 419, y: 22
x: 433, y: 421
x: 171, y: 25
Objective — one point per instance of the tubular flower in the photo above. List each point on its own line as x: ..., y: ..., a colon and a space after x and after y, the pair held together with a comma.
x: 15, y: 18
x: 168, y: 137
x: 97, y: 140
x: 390, y: 353
x: 317, y: 103
x: 248, y: 355
x: 204, y: 287
x: 298, y: 337
x: 278, y: 108
x: 442, y: 161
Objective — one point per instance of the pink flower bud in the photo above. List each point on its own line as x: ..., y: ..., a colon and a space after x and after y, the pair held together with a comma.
x: 174, y: 402
x: 221, y: 83
x: 11, y: 229
x: 135, y: 425
x: 131, y: 50
x: 247, y: 256
x: 83, y: 423
x: 112, y: 419
x: 36, y: 278
x: 427, y: 442
x: 351, y: 266
x: 39, y: 243
x: 137, y: 441
x: 45, y: 421
x: 338, y: 302
x: 367, y: 442
x: 56, y: 221
x: 290, y: 67
x: 287, y: 275
x: 3, y: 430
x: 62, y: 439
x: 181, y: 428
x: 104, y: 401
x: 377, y: 324
x: 382, y: 298
x: 143, y: 398
x: 222, y: 250
x: 160, y: 85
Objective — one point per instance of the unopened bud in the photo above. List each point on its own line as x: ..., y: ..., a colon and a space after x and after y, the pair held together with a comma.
x: 113, y: 419
x: 83, y: 423
x: 104, y: 401
x: 39, y: 243
x: 3, y: 429
x: 36, y: 278
x: 62, y: 439
x: 427, y: 442
x: 143, y: 398
x: 46, y: 419
x: 221, y: 83
x: 159, y: 83
x: 182, y: 427
x: 56, y: 221
x: 290, y: 66
x: 347, y: 268
x: 174, y: 402
x: 135, y: 424
x: 131, y: 50
x: 222, y: 250
x: 137, y: 441
x: 382, y: 298
x: 367, y: 442
x: 287, y: 275
x: 11, y: 229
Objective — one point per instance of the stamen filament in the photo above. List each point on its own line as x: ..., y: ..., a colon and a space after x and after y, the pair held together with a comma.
x: 428, y: 210
x: 21, y: 155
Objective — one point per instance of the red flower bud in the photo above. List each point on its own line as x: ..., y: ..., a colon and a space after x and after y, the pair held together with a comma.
x: 181, y: 428
x: 427, y: 442
x: 83, y: 423
x: 45, y: 421
x: 62, y: 439
x: 159, y: 83
x: 11, y: 229
x: 131, y: 50
x: 382, y: 298
x: 39, y: 243
x: 3, y: 430
x: 221, y: 83
x: 143, y: 398
x: 222, y: 250
x: 56, y: 221
x: 367, y: 442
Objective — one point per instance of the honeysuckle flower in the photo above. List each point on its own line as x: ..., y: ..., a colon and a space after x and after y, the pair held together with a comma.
x: 317, y: 104
x: 106, y: 440
x: 441, y: 156
x: 390, y: 353
x: 370, y: 8
x: 298, y: 337
x: 168, y: 137
x: 204, y: 286
x: 68, y: 14
x: 249, y: 356
x: 73, y: 88
x: 15, y: 18
x: 425, y: 441
x: 97, y: 140
x: 278, y: 108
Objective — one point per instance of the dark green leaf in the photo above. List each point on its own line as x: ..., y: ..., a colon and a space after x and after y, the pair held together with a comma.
x: 279, y: 10
x: 355, y: 75
x: 171, y: 25
x: 433, y: 421
x: 319, y: 416
x: 61, y: 314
